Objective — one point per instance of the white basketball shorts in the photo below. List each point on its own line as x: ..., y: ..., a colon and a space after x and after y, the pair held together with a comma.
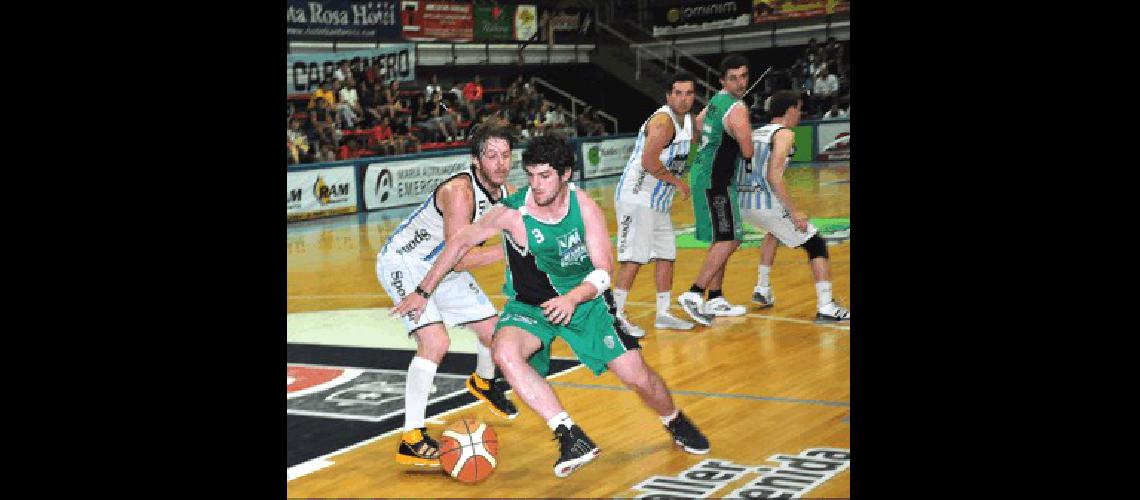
x: 779, y: 223
x: 644, y: 234
x: 456, y: 301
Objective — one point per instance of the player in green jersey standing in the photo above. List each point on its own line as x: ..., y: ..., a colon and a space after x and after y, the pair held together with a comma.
x: 725, y: 142
x: 559, y: 261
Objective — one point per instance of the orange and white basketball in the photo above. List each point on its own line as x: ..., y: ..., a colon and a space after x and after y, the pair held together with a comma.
x: 467, y: 450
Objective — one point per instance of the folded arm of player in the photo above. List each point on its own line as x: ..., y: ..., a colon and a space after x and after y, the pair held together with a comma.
x: 737, y: 123
x: 782, y: 143
x: 659, y: 134
x: 456, y: 201
x: 560, y: 309
x: 497, y: 219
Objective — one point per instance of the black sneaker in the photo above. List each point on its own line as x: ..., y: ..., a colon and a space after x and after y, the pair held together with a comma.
x: 417, y: 448
x: 494, y: 392
x: 576, y: 450
x: 687, y: 435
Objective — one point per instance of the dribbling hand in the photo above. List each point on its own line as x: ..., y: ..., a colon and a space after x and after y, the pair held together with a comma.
x: 413, y: 305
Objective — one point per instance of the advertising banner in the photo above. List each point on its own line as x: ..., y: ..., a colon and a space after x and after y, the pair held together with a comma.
x: 305, y: 72
x: 804, y: 136
x: 606, y: 157
x: 495, y: 23
x: 526, y: 22
x: 778, y: 10
x: 343, y: 20
x: 701, y: 15
x: 317, y: 193
x: 834, y: 141
x: 425, y: 21
x: 408, y: 182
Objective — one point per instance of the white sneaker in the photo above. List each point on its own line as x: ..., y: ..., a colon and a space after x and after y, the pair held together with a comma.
x: 832, y: 313
x: 763, y: 298
x: 668, y: 322
x: 720, y: 307
x: 632, y: 329
x: 692, y: 304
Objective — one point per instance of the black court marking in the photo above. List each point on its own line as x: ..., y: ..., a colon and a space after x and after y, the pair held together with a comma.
x: 310, y: 437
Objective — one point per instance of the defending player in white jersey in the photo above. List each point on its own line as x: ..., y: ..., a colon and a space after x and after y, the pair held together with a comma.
x: 644, y: 196
x: 764, y: 202
x: 408, y: 255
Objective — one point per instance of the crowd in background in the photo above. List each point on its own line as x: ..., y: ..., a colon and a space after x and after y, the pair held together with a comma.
x: 822, y: 74
x: 355, y: 114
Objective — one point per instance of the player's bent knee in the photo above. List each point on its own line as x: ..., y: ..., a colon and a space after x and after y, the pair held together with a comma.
x: 815, y: 247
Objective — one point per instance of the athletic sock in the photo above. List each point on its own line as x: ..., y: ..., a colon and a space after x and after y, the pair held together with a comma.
x: 697, y: 290
x: 663, y: 299
x: 619, y: 299
x: 823, y: 293
x: 669, y: 418
x: 715, y: 293
x: 484, y: 365
x: 421, y: 371
x: 560, y: 419
x: 762, y: 276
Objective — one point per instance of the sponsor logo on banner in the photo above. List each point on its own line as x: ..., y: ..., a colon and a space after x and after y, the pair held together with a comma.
x: 834, y: 141
x: 494, y: 23
x: 318, y: 193
x: 426, y: 20
x: 778, y: 10
x: 794, y: 477
x: 701, y: 15
x: 305, y: 72
x: 526, y: 22
x: 342, y: 20
x: 408, y: 182
x: 607, y: 157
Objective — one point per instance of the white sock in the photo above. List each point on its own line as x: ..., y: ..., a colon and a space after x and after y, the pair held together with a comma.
x: 619, y: 299
x: 823, y: 293
x: 663, y: 299
x: 762, y: 276
x: 669, y: 418
x: 484, y: 366
x: 421, y: 372
x: 560, y: 419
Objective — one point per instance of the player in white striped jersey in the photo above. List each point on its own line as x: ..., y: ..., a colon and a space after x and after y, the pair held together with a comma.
x: 764, y: 202
x: 408, y: 255
x: 644, y: 196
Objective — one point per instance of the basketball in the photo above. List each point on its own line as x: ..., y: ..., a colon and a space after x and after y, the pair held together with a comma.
x: 467, y: 450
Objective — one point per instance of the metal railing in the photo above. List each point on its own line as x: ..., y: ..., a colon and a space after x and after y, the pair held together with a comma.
x: 643, y: 53
x: 677, y: 52
x: 575, y: 102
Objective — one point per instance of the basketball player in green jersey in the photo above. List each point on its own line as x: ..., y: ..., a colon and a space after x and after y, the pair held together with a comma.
x: 725, y: 142
x: 559, y: 261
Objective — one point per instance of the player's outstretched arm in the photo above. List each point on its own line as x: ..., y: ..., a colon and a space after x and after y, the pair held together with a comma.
x: 495, y: 220
x: 456, y: 203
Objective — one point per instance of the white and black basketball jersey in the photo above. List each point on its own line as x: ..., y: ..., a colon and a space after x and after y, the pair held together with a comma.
x: 753, y: 190
x: 421, y: 234
x: 642, y: 188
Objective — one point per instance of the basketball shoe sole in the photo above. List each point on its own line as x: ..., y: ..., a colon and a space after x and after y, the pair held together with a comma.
x: 566, y: 468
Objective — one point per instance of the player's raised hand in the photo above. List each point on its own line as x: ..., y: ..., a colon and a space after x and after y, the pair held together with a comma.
x: 412, y: 305
x: 559, y: 310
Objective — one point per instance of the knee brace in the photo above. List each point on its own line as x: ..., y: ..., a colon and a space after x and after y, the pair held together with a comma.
x: 815, y: 247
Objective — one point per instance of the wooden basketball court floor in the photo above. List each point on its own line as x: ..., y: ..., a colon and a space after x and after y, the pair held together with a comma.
x: 771, y: 383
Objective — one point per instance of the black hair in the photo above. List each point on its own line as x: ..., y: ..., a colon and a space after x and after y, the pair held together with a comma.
x: 552, y: 149
x: 483, y: 133
x: 682, y: 76
x: 732, y: 61
x: 781, y: 101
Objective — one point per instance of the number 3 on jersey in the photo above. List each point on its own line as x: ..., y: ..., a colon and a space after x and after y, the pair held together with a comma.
x: 538, y: 237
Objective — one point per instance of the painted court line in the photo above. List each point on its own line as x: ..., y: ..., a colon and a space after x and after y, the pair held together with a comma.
x: 314, y: 464
x: 775, y: 399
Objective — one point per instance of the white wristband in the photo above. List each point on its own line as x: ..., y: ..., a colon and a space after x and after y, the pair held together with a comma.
x: 600, y: 279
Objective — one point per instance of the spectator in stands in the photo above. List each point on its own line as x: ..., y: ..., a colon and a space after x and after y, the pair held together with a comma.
x: 457, y: 91
x: 403, y: 139
x: 826, y: 89
x: 370, y: 102
x: 299, y: 150
x: 433, y: 87
x: 349, y: 104
x: 380, y: 138
x: 514, y: 90
x: 327, y: 153
x: 324, y: 122
x: 434, y: 116
x: 323, y: 92
x: 391, y: 103
x: 473, y: 95
x: 342, y: 72
x: 834, y: 113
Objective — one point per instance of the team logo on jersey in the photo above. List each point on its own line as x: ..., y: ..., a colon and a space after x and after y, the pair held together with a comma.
x: 571, y: 248
x: 609, y: 341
